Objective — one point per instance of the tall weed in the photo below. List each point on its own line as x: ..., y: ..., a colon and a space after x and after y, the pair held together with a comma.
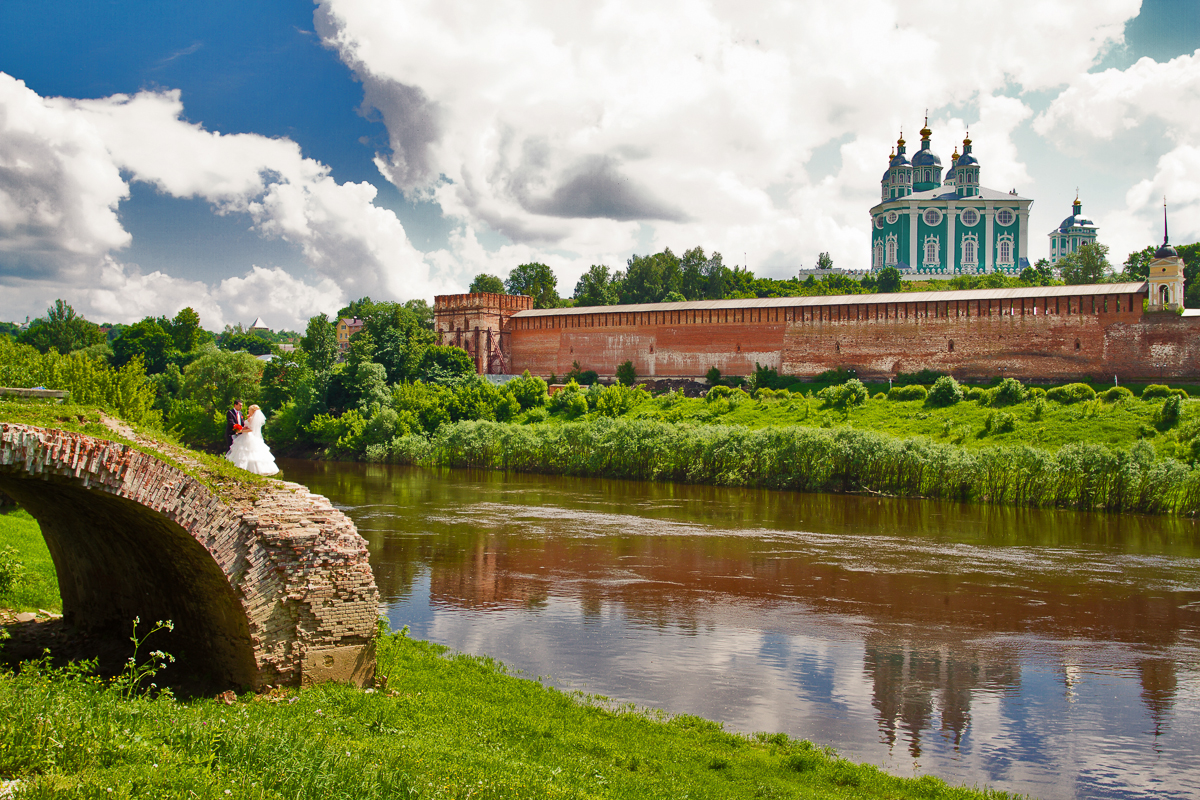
x: 802, y: 458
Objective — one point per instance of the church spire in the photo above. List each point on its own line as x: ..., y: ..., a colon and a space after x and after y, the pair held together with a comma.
x: 1166, y: 251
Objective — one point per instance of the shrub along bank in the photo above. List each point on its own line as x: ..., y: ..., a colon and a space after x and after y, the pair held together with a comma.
x: 1082, y: 476
x: 444, y: 727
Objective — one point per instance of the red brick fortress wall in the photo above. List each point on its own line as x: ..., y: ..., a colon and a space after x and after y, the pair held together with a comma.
x: 1041, y: 333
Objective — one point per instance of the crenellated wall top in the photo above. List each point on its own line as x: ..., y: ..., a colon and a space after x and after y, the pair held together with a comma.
x: 482, y: 301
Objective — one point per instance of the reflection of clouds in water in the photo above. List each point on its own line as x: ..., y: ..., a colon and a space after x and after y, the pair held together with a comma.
x: 821, y: 635
x: 884, y: 554
x: 987, y: 711
x: 808, y: 686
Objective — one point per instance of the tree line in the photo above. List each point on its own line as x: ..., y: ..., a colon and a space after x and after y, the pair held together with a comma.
x: 394, y: 379
x: 664, y: 278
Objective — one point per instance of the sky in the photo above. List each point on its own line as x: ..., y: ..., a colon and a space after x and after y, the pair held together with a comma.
x: 277, y: 160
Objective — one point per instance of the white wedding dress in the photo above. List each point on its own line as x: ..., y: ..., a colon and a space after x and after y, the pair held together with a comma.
x: 249, y: 451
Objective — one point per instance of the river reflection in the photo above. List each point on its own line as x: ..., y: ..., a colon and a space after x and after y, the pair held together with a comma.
x: 1047, y: 652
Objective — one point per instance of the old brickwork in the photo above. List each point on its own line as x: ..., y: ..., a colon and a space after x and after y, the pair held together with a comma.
x: 1039, y: 333
x: 479, y: 323
x: 268, y: 584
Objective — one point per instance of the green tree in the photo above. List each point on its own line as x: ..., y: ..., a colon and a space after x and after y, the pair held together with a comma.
x: 824, y: 261
x: 648, y: 279
x: 740, y: 282
x: 536, y: 280
x: 146, y: 339
x: 888, y: 281
x: 1190, y: 253
x: 185, y: 330
x: 693, y: 275
x: 251, y: 343
x: 714, y: 271
x: 319, y: 344
x: 357, y: 308
x: 62, y: 329
x: 446, y: 365
x: 422, y: 311
x: 486, y: 283
x: 529, y: 390
x: 596, y: 287
x: 282, y: 380
x: 400, y: 338
x: 1137, y: 265
x: 1088, y: 264
x: 365, y: 380
x: 626, y: 374
x: 945, y: 392
x: 218, y: 377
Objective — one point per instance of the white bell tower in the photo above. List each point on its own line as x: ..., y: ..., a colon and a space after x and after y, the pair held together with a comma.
x: 1166, y: 275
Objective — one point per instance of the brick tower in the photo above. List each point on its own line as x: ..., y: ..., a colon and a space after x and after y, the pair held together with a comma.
x: 478, y: 323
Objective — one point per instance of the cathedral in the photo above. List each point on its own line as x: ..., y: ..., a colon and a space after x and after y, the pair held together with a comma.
x: 1072, y: 233
x: 924, y: 225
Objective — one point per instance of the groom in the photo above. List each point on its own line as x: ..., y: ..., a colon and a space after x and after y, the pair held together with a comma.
x: 234, y: 424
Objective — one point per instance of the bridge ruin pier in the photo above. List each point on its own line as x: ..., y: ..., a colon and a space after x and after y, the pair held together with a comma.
x: 265, y: 582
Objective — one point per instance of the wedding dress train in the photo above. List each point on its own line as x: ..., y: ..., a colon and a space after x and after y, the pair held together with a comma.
x: 249, y: 451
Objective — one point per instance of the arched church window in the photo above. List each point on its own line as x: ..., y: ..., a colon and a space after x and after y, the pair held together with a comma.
x: 891, y: 250
x: 1005, y: 256
x: 969, y: 251
x: 931, y: 250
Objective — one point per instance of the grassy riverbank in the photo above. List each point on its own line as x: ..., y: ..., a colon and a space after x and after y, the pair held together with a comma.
x: 1048, y: 425
x: 839, y: 459
x: 441, y: 726
x: 444, y: 726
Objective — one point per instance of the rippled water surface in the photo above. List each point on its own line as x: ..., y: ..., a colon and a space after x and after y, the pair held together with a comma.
x: 1046, y: 652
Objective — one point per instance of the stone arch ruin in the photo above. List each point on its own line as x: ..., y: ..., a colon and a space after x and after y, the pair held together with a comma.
x: 267, y: 584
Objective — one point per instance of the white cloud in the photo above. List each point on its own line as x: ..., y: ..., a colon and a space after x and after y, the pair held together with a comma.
x: 565, y: 126
x: 282, y: 300
x: 122, y: 294
x: 343, y: 235
x: 59, y: 190
x: 1150, y: 114
x: 61, y: 165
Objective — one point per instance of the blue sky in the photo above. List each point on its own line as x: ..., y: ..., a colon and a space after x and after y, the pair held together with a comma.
x: 487, y: 136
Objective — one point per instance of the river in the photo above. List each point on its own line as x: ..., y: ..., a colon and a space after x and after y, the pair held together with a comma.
x: 1046, y: 652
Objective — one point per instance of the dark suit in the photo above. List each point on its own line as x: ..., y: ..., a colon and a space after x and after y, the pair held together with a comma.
x: 233, y: 421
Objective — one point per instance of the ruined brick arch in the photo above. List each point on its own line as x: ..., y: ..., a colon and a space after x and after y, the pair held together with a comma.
x: 265, y: 588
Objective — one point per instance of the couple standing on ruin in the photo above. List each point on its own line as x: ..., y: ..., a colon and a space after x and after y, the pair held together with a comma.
x: 244, y: 444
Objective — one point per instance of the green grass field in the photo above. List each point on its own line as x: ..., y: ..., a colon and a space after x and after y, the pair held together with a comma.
x: 37, y: 586
x: 444, y: 727
x: 1118, y: 424
x: 1048, y: 425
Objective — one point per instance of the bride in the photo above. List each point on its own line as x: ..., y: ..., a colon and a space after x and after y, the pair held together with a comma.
x: 249, y: 451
